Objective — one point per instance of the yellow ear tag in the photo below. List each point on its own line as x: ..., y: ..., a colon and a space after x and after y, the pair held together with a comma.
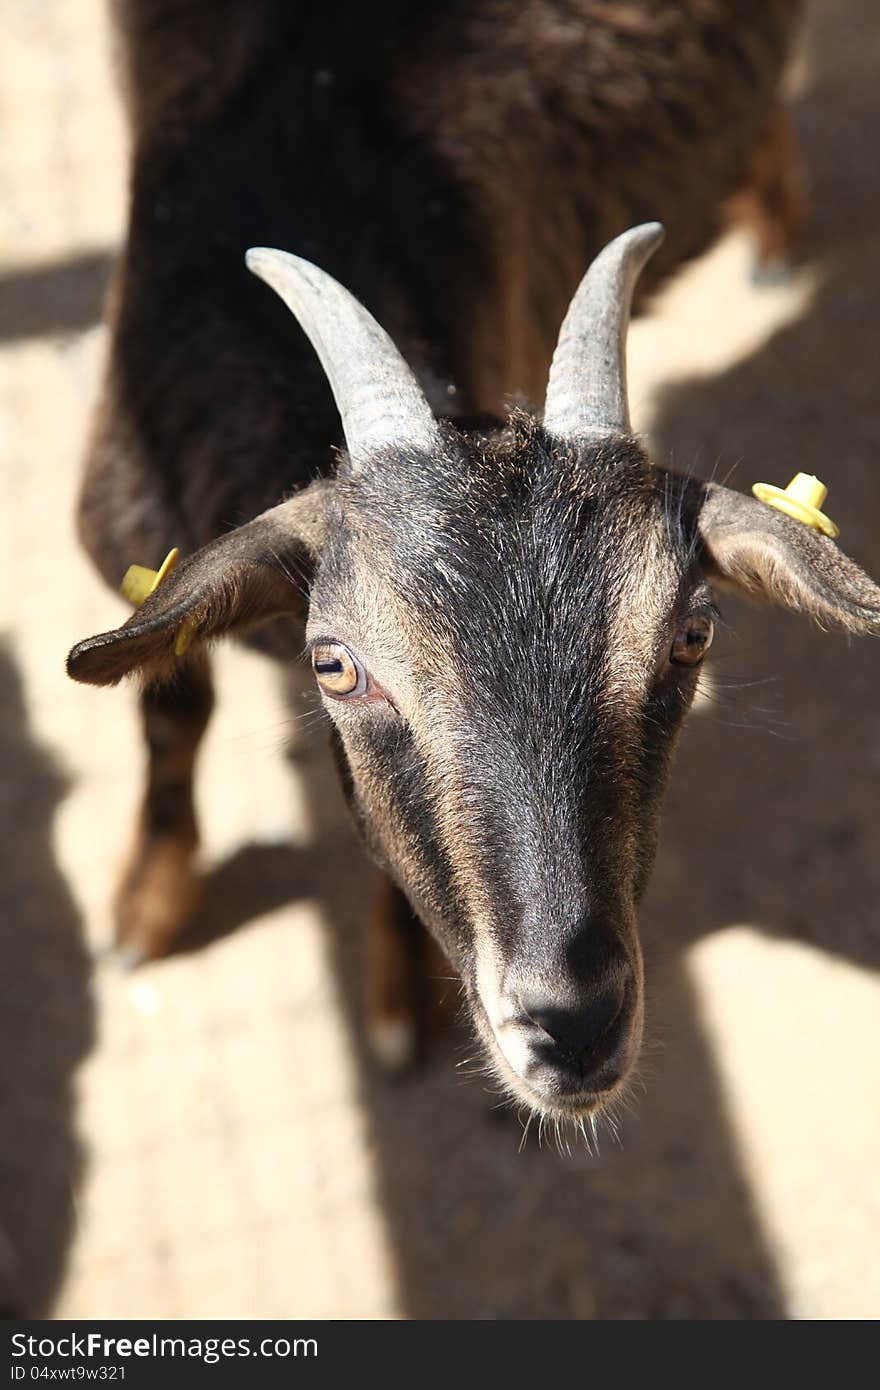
x: 802, y: 499
x: 139, y: 582
x: 185, y: 633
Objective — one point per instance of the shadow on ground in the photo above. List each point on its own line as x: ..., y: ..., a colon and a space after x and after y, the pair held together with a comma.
x: 46, y: 1020
x: 63, y: 297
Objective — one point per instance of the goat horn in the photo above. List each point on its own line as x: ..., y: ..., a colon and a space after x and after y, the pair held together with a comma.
x: 586, y: 393
x: 377, y: 396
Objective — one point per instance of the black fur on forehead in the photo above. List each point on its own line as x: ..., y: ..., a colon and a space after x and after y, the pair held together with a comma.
x: 487, y: 462
x: 546, y: 521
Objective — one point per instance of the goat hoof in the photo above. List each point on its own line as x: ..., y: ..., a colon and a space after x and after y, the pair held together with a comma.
x: 393, y: 1042
x: 774, y: 271
x: 127, y: 958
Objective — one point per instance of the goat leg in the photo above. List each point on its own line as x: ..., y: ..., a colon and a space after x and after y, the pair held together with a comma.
x: 773, y: 206
x: 158, y: 895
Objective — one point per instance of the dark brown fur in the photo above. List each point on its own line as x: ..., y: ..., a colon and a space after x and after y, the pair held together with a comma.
x: 456, y: 167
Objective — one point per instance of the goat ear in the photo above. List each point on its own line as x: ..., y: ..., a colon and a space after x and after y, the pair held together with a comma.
x: 770, y: 556
x: 254, y: 573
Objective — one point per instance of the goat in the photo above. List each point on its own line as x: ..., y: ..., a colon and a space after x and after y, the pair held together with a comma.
x: 506, y: 611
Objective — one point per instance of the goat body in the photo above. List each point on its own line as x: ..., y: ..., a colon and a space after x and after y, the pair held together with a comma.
x: 505, y: 619
x: 456, y: 167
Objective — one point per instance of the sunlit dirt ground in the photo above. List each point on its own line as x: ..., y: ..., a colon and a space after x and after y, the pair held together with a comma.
x: 206, y: 1137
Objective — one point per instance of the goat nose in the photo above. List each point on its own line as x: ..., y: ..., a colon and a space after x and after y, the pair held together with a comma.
x: 583, y: 1025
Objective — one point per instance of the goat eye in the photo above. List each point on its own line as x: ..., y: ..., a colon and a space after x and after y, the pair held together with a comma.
x: 692, y: 640
x: 338, y: 673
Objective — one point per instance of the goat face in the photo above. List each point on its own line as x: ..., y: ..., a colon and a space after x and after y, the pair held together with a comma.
x: 507, y: 631
x: 501, y: 636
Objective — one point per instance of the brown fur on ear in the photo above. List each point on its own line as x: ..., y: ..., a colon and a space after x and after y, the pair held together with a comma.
x: 257, y: 572
x: 775, y: 558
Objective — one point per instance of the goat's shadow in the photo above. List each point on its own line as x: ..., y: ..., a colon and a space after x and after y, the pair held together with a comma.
x: 777, y: 831
x: 46, y: 1021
